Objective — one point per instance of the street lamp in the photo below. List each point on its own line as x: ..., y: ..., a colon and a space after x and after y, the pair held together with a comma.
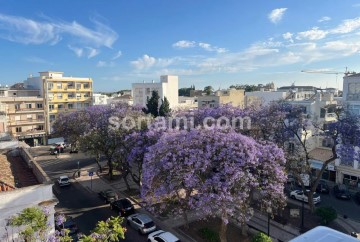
x: 268, y: 210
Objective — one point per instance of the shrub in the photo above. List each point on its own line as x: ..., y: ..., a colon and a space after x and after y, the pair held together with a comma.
x: 209, y: 235
x: 327, y: 214
x: 261, y: 237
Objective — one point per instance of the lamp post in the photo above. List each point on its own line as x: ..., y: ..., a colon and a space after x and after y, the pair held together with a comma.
x: 268, y: 210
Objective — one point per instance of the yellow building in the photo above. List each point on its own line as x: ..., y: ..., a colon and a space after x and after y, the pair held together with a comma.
x: 61, y: 94
x: 233, y: 96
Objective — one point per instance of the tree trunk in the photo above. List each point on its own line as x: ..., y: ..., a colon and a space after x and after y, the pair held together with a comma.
x: 223, y: 231
x: 98, y: 162
x: 311, y: 202
x: 111, y: 168
x: 126, y: 181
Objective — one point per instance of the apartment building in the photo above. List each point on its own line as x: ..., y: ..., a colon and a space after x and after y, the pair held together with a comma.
x: 101, y: 99
x: 22, y: 115
x: 61, y: 94
x: 233, y: 96
x: 167, y: 87
x: 348, y: 171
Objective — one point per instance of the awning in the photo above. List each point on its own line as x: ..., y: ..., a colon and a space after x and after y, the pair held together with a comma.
x: 316, y: 164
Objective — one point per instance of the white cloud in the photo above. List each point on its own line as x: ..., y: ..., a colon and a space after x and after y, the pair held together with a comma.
x: 34, y: 59
x: 288, y: 36
x: 28, y: 31
x: 144, y: 62
x: 117, y: 55
x: 324, y: 19
x: 313, y: 34
x: 92, y: 52
x: 184, y: 44
x: 276, y: 15
x: 105, y: 64
x: 347, y: 26
x: 78, y: 51
x: 209, y: 47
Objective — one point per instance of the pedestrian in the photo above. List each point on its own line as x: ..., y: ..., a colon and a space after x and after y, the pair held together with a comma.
x: 56, y: 153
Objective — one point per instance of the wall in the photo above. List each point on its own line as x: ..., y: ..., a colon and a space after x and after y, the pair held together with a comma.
x: 13, y: 202
x: 39, y: 173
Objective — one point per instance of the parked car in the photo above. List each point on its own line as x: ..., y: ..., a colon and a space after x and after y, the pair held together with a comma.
x: 341, y: 191
x: 357, y: 197
x: 108, y: 195
x: 162, y: 236
x: 123, y: 206
x: 63, y: 181
x: 301, y: 196
x: 322, y: 187
x: 141, y: 222
x: 68, y: 224
x: 57, y: 148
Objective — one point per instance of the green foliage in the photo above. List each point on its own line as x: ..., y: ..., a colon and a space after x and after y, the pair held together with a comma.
x: 246, y: 87
x: 34, y: 221
x: 106, y: 231
x: 261, y: 237
x: 208, y: 90
x: 152, y: 105
x: 186, y: 91
x: 209, y: 235
x: 327, y: 214
x: 164, y: 109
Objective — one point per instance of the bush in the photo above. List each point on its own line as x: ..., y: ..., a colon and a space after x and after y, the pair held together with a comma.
x: 327, y: 214
x: 209, y: 235
x: 261, y: 237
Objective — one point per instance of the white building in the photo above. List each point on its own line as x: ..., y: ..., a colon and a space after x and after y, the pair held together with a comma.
x: 348, y: 172
x: 187, y: 102
x: 101, y: 99
x: 167, y: 87
x: 263, y: 97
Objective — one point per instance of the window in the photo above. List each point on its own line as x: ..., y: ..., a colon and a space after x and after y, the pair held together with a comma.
x: 50, y: 86
x: 78, y: 96
x: 70, y: 106
x: 79, y: 105
x: 86, y: 105
x: 28, y: 105
x: 147, y: 91
x: 60, y: 106
x: 2, y: 93
x: 71, y: 95
x: 51, y: 107
x: 17, y: 118
x: 51, y: 96
x: 17, y: 106
x: 86, y: 85
x: 40, y: 127
x: 59, y: 95
x: 18, y: 129
x: 78, y: 85
x: 59, y: 85
x: 87, y: 95
x: 52, y: 117
x: 40, y: 117
x: 29, y: 117
x: 39, y: 105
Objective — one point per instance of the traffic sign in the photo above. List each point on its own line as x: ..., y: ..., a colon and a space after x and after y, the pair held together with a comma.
x: 91, y: 173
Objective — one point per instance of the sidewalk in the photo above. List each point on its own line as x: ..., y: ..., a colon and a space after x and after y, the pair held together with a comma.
x: 258, y: 222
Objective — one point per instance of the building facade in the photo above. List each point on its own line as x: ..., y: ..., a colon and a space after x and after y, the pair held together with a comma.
x: 167, y: 87
x: 101, y: 99
x: 232, y: 96
x: 61, y: 94
x: 23, y: 115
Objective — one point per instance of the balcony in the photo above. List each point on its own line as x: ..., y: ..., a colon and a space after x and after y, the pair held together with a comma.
x: 23, y: 122
x: 25, y: 110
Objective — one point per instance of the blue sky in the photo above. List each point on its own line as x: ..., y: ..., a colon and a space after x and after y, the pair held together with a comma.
x: 217, y: 43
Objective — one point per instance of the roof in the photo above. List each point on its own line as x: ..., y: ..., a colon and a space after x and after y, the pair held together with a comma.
x: 320, y: 154
x: 62, y: 177
x: 143, y: 217
x: 323, y: 234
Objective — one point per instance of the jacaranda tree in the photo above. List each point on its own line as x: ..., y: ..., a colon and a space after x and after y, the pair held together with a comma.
x: 215, y: 172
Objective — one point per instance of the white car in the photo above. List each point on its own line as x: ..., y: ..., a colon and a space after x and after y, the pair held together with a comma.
x: 64, y: 181
x: 299, y: 195
x: 141, y: 222
x: 162, y: 236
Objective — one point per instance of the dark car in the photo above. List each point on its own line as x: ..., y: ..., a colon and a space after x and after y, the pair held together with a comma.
x: 341, y: 191
x: 68, y: 224
x: 108, y: 195
x: 123, y: 206
x: 322, y: 187
x: 357, y: 197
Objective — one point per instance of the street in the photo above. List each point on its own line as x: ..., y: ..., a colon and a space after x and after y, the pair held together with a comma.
x: 84, y: 206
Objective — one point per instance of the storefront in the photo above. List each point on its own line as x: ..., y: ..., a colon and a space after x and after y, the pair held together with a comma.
x: 33, y: 140
x: 348, y: 176
x: 329, y: 172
